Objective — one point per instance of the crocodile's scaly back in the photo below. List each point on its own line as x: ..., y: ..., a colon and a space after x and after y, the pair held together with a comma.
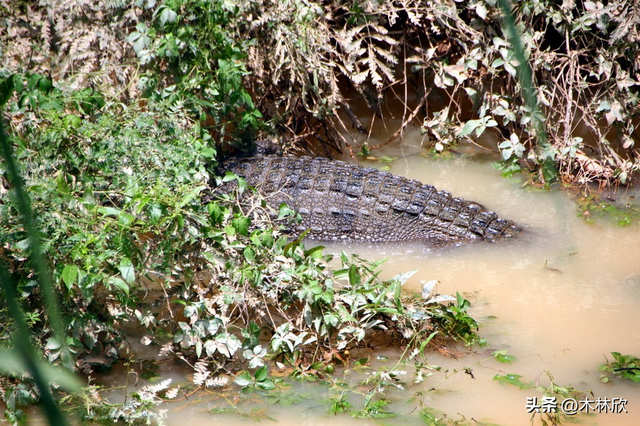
x: 339, y: 201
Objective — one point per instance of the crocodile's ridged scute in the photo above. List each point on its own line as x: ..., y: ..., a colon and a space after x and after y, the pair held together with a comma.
x: 339, y: 201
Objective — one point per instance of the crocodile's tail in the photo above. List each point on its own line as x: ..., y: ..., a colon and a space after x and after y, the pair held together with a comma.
x: 346, y: 202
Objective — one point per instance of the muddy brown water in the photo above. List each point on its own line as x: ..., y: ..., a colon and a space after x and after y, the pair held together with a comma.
x: 559, y: 300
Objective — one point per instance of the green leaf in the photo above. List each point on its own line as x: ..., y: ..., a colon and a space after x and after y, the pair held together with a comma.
x: 462, y: 303
x: 362, y: 362
x: 386, y: 159
x: 228, y: 177
x: 62, y: 185
x: 140, y: 38
x: 314, y: 250
x: 354, y: 275
x: 6, y: 89
x: 502, y: 356
x: 69, y: 274
x: 127, y: 271
x: 285, y: 211
x: 470, y: 126
x: 481, y: 10
x: 510, y: 69
x: 215, y: 212
x: 549, y: 171
x: 249, y: 254
x: 166, y: 15
x: 155, y: 212
x: 119, y: 283
x: 125, y: 218
x: 244, y: 379
x: 241, y: 225
x: 497, y: 63
x: 425, y: 342
x: 511, y: 379
x: 604, y: 106
x: 72, y: 121
x: 472, y: 93
x: 267, y: 385
x: 261, y: 374
x: 109, y: 211
x: 208, y: 152
x: 45, y: 84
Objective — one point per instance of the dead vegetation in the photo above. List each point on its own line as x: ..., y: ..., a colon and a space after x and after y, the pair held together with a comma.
x: 82, y: 43
x: 445, y: 66
x: 451, y: 68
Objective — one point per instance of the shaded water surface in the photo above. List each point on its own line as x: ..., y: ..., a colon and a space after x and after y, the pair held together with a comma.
x: 558, y: 300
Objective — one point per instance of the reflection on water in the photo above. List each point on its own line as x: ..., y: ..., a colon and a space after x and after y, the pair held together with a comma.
x: 558, y: 300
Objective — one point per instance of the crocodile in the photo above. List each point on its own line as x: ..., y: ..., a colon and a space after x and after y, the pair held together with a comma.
x: 339, y: 201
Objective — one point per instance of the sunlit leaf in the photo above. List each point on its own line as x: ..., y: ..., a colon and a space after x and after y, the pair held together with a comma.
x: 127, y: 271
x: 69, y: 274
x: 481, y: 10
x: 119, y: 283
x: 244, y: 379
x: 470, y: 126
